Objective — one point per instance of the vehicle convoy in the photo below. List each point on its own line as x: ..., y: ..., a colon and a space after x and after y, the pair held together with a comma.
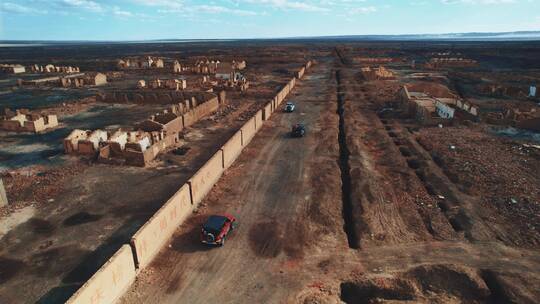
x: 289, y: 107
x: 298, y: 130
x: 216, y: 228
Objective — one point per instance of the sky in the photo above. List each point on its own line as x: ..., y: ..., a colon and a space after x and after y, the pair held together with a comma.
x: 231, y: 19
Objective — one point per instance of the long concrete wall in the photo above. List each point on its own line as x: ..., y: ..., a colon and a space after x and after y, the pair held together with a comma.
x: 248, y: 131
x: 110, y: 282
x: 258, y: 120
x: 267, y: 111
x: 202, y: 182
x: 151, y: 237
x: 113, y: 278
x: 231, y: 149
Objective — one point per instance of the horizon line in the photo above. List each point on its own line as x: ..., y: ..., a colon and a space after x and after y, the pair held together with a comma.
x: 462, y: 35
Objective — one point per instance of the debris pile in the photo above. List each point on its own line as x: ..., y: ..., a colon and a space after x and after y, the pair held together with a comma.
x: 502, y: 172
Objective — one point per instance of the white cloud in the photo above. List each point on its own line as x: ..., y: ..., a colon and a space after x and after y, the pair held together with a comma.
x: 215, y: 9
x: 83, y: 4
x: 171, y: 4
x: 286, y: 4
x: 19, y: 9
x: 207, y: 9
x: 363, y: 10
x: 121, y: 13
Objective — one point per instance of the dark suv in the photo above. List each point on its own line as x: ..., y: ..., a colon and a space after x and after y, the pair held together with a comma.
x: 298, y: 130
x: 216, y: 228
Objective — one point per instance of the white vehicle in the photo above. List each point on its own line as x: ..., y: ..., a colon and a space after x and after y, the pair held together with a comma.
x: 289, y: 107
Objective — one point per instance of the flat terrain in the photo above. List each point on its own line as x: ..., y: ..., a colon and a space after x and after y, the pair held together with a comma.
x: 366, y: 208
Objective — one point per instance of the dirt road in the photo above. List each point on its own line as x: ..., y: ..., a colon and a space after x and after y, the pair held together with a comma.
x: 272, y: 188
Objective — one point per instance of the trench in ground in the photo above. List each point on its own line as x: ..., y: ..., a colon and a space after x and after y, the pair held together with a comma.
x: 347, y: 208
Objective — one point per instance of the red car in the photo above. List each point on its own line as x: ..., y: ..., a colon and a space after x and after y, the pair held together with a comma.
x: 216, y: 228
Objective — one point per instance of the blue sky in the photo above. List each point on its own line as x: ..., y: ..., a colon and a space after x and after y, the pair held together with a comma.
x: 187, y: 19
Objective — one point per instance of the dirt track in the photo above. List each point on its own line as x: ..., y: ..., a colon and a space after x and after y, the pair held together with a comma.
x: 291, y: 246
x: 276, y: 183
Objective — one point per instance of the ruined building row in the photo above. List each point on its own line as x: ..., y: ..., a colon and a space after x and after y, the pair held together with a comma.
x: 140, y: 63
x: 50, y: 68
x: 73, y: 80
x: 12, y: 68
x: 149, y: 137
x: 380, y: 73
x: 23, y: 120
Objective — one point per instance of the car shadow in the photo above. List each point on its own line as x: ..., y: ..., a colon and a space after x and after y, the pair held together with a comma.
x: 189, y: 241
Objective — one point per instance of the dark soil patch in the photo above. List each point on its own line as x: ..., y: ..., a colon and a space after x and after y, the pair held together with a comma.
x: 430, y: 190
x: 41, y: 226
x: 9, y: 268
x: 49, y: 263
x: 180, y: 151
x: 461, y: 221
x: 413, y: 163
x: 297, y: 240
x: 405, y: 151
x: 81, y: 218
x: 266, y: 240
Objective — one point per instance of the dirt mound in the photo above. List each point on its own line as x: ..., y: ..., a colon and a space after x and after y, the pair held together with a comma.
x: 422, y: 284
x: 449, y: 281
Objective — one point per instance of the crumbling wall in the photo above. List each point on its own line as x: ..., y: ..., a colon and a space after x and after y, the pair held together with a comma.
x: 109, y: 282
x: 135, y: 157
x: 206, y: 108
x: 157, y: 96
x: 71, y: 143
x: 27, y: 122
x: 10, y: 125
x: 151, y: 237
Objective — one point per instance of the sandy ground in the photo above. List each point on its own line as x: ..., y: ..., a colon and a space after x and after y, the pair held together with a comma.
x: 409, y: 234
